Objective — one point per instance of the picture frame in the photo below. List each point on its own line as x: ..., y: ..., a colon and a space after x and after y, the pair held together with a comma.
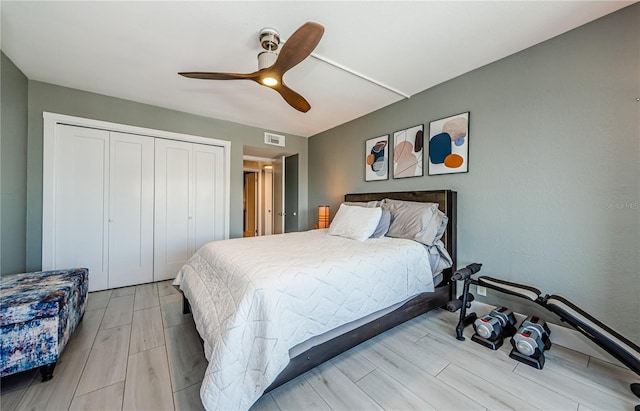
x: 449, y: 145
x: 376, y: 155
x: 408, y: 148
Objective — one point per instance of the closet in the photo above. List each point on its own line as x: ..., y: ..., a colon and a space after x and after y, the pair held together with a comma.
x: 132, y: 208
x: 188, y: 205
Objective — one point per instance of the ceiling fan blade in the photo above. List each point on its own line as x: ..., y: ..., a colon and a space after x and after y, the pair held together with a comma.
x: 294, y: 99
x: 218, y: 76
x: 298, y: 47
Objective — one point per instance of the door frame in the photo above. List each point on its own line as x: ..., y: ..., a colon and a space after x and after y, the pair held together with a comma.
x: 51, y: 120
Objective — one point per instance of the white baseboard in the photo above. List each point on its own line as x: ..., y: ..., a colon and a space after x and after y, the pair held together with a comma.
x: 564, y: 336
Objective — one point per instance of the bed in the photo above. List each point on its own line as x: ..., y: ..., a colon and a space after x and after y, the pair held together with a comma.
x: 268, y: 309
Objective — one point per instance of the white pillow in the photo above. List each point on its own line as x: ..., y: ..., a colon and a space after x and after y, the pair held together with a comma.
x: 355, y: 222
x: 385, y: 219
x: 368, y: 204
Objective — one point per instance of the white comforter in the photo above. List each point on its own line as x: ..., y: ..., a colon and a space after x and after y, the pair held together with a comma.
x: 254, y: 298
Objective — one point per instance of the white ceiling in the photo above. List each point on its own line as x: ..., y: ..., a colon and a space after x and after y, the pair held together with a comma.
x: 133, y: 50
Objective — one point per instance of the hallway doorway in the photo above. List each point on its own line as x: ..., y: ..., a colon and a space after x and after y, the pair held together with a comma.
x: 270, y: 192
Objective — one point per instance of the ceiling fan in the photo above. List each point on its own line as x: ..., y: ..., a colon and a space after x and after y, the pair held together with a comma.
x: 272, y: 66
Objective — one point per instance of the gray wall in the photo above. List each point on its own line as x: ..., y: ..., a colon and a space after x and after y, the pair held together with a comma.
x: 13, y: 168
x: 552, y: 196
x: 62, y: 100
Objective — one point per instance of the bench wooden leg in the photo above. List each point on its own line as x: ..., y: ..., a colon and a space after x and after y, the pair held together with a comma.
x: 47, y: 371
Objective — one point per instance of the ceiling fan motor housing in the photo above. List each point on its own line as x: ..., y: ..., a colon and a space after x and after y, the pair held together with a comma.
x: 266, y: 59
x: 269, y: 40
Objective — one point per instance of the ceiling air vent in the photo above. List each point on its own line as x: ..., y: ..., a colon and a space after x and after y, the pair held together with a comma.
x: 274, y: 139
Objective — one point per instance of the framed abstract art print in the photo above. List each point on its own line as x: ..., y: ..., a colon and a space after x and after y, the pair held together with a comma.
x: 376, y: 154
x: 407, y: 152
x: 449, y: 145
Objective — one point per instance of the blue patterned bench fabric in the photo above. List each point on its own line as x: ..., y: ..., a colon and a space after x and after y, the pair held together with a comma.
x: 38, y: 313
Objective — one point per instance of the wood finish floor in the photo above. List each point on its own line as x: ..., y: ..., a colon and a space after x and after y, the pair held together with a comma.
x: 135, y: 350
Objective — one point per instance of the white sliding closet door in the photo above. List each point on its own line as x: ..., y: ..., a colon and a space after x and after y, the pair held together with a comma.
x: 208, y: 198
x: 131, y: 204
x: 173, y: 226
x: 189, y: 202
x: 76, y: 224
x: 101, y: 186
x: 130, y: 210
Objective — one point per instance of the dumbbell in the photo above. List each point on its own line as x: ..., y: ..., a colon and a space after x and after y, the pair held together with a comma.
x: 530, y: 342
x: 532, y: 337
x: 493, y: 327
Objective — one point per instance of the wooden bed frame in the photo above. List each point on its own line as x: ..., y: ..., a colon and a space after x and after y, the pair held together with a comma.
x: 418, y: 305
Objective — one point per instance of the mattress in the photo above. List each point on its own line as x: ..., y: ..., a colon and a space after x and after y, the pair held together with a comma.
x: 255, y: 298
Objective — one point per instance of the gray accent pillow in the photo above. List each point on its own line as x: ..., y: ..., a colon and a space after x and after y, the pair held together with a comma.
x: 422, y: 222
x: 383, y: 225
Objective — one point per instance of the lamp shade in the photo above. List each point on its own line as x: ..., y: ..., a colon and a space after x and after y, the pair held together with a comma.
x: 323, y: 216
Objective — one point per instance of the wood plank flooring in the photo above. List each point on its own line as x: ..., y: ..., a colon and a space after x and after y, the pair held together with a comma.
x: 135, y: 350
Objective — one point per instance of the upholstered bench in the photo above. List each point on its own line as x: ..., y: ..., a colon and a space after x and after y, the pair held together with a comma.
x: 38, y: 313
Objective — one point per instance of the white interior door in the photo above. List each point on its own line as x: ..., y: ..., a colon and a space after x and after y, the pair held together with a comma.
x: 131, y: 209
x: 172, y: 233
x: 79, y: 235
